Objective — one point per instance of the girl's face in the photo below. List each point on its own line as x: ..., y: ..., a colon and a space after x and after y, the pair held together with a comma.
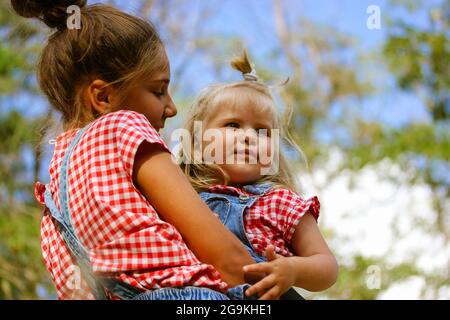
x: 151, y: 98
x: 242, y: 134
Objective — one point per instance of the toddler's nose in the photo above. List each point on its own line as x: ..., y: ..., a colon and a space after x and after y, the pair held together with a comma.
x: 250, y: 137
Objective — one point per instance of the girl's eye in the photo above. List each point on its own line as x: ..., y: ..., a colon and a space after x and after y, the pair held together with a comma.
x: 232, y: 125
x: 158, y: 94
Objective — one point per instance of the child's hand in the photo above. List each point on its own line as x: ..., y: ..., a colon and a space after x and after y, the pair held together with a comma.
x: 279, y: 276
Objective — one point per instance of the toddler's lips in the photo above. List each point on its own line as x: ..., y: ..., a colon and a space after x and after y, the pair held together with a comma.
x: 246, y: 153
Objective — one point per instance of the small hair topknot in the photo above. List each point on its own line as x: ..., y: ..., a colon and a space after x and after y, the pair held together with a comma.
x: 52, y: 12
x: 243, y: 65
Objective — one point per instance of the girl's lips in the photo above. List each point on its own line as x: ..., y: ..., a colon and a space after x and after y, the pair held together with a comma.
x: 246, y: 153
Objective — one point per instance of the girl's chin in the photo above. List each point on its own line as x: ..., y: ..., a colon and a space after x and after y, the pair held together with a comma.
x: 244, y: 176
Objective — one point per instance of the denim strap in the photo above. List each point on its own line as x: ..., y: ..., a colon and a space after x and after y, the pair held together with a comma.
x: 77, y: 250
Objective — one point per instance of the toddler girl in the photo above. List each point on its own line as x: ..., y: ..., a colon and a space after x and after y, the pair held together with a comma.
x: 255, y: 198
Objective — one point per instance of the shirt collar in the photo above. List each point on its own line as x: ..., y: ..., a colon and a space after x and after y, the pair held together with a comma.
x: 256, y: 189
x: 220, y: 188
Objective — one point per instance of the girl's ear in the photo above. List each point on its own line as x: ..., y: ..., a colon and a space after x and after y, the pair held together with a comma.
x: 100, y: 96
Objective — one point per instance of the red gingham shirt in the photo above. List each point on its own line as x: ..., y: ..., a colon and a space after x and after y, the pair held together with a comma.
x: 272, y: 219
x: 113, y: 220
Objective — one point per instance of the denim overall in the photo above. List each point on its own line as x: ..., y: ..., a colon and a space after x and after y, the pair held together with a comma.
x: 231, y: 207
x: 101, y: 285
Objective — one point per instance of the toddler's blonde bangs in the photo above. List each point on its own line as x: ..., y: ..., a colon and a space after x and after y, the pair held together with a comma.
x: 241, y: 96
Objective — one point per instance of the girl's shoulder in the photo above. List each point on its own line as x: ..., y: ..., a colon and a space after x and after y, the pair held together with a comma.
x: 121, y: 118
x: 287, y: 195
x: 107, y: 126
x: 286, y: 199
x: 123, y: 114
x: 282, y: 193
x: 124, y: 125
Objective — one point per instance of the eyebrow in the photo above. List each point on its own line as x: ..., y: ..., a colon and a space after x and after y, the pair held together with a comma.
x: 164, y: 80
x: 259, y: 124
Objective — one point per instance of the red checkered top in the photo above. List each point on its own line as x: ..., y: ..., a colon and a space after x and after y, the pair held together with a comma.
x: 272, y: 219
x: 123, y: 233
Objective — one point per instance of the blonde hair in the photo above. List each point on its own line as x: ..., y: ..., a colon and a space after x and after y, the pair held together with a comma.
x: 202, y: 175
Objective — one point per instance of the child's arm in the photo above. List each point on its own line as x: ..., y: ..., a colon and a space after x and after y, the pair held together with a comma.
x: 314, y: 268
x: 165, y: 186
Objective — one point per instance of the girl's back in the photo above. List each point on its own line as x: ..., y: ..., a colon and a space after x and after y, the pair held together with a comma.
x: 111, y: 218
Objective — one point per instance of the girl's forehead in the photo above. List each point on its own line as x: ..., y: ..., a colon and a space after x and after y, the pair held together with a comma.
x: 238, y: 106
x: 161, y: 75
x: 156, y: 70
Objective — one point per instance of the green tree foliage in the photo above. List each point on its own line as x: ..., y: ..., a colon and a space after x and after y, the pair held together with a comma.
x: 354, y: 279
x: 21, y: 267
x: 419, y: 58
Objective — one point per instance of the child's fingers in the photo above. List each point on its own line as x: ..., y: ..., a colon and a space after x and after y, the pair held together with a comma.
x: 270, y: 253
x: 272, y: 294
x: 261, y: 286
x: 258, y: 267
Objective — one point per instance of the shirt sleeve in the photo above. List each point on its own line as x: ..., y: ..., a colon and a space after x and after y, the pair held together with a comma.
x: 292, y: 209
x: 132, y: 130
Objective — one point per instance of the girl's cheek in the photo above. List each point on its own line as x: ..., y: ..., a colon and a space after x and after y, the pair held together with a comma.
x: 265, y: 146
x: 218, y: 149
x: 230, y: 140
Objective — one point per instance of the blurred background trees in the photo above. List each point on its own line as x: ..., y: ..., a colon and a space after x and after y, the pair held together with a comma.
x: 338, y: 117
x: 21, y: 269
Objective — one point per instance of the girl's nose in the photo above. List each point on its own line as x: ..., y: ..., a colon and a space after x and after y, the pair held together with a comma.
x: 248, y: 136
x: 171, y: 110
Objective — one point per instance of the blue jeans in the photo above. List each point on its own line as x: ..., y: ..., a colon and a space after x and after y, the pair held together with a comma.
x: 194, y: 293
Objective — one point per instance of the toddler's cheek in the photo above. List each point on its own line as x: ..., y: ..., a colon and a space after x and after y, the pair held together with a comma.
x: 265, y: 146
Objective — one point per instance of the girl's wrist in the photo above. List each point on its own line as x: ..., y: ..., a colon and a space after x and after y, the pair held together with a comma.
x: 315, y: 273
x: 296, y: 267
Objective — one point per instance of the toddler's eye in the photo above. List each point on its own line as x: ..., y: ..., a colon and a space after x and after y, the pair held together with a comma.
x: 158, y: 94
x: 232, y: 125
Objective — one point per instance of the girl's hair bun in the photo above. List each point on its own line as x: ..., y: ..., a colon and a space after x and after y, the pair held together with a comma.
x: 52, y: 12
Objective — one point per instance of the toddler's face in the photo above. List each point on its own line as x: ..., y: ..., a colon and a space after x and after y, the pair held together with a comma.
x: 238, y: 139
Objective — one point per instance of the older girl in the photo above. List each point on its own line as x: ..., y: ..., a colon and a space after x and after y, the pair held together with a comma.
x: 117, y: 209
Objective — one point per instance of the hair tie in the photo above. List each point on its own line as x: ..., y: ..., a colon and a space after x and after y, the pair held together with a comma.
x: 250, y: 76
